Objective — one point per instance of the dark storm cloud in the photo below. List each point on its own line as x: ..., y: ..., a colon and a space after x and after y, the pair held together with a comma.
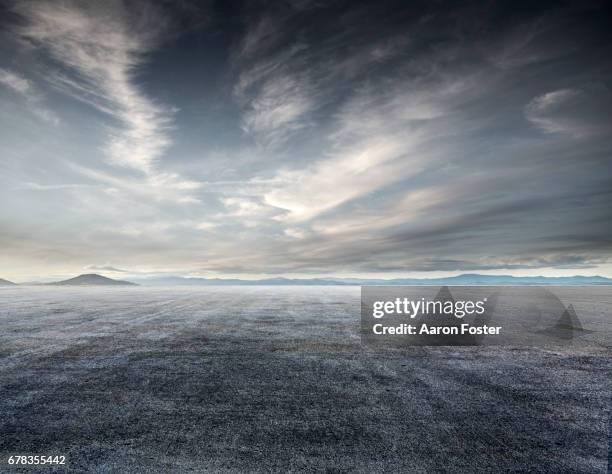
x: 307, y: 137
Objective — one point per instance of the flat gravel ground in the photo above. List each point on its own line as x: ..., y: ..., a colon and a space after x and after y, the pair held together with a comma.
x: 274, y: 379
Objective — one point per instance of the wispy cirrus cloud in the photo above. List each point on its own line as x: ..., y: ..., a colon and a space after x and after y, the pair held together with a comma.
x: 378, y: 138
x: 158, y: 187
x: 379, y: 130
x: 575, y: 112
x: 280, y: 108
x: 100, y: 45
x: 29, y: 92
x: 99, y: 48
x: 14, y: 81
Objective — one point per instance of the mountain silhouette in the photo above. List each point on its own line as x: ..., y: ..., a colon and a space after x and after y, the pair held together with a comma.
x: 459, y: 280
x: 4, y: 282
x: 92, y: 279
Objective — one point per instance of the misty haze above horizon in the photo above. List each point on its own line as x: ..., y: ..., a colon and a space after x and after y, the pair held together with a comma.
x: 92, y: 279
x: 241, y: 139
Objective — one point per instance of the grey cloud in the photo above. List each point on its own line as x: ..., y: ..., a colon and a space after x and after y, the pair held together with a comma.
x: 105, y: 268
x: 14, y: 81
x: 310, y: 137
x: 99, y: 46
x: 574, y: 112
x: 29, y: 92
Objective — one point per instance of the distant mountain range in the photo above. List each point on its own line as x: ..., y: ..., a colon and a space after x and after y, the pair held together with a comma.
x: 466, y: 279
x: 92, y: 279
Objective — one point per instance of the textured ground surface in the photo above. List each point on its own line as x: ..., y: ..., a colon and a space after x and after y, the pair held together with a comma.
x: 274, y: 379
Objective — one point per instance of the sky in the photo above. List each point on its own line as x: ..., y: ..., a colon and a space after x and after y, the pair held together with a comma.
x: 305, y: 138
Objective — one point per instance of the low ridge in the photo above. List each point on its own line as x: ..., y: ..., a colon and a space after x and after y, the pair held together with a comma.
x: 92, y: 279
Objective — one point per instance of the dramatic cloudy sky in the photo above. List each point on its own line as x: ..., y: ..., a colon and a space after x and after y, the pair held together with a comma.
x: 304, y: 138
